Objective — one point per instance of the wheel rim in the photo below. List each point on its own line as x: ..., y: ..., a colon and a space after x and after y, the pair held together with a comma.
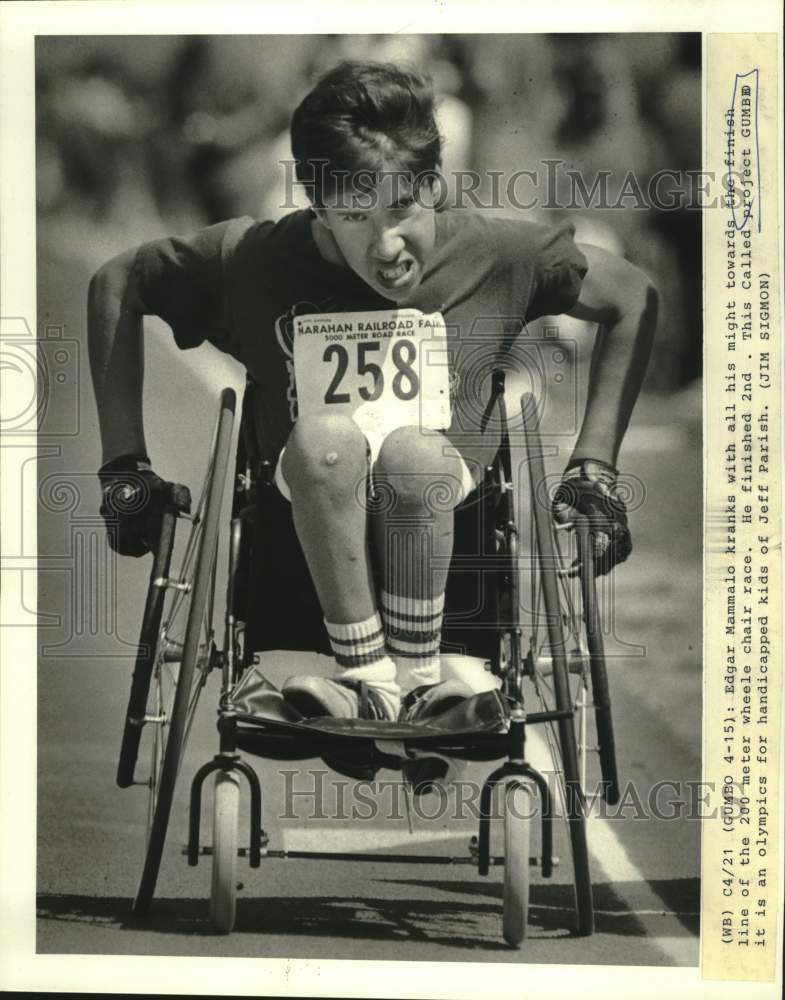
x: 167, y: 666
x: 181, y: 667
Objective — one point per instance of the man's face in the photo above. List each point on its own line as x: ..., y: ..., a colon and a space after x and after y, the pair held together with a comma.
x: 384, y: 233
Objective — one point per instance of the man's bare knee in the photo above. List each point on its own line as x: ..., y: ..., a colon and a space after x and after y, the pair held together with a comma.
x: 325, y: 451
x: 422, y: 469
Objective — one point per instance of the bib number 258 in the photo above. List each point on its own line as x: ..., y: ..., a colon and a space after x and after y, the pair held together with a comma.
x: 405, y: 383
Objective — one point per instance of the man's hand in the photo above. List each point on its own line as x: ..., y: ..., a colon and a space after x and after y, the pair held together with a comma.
x: 590, y: 488
x: 134, y: 498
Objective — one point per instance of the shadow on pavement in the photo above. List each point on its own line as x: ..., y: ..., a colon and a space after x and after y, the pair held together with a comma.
x: 615, y: 904
x: 443, y: 922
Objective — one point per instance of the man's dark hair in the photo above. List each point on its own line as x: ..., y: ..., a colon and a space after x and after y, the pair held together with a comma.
x: 361, y: 118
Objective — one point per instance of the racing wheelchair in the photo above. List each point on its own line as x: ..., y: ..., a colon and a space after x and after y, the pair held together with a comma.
x: 544, y: 655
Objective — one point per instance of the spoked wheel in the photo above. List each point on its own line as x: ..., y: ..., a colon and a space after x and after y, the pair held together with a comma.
x: 558, y: 668
x: 587, y: 678
x: 223, y: 895
x: 518, y: 813
x: 185, y: 652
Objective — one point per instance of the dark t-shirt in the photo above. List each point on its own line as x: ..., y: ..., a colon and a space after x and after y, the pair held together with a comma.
x: 239, y: 284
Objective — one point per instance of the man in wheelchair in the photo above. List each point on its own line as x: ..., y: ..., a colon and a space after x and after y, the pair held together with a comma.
x: 331, y: 310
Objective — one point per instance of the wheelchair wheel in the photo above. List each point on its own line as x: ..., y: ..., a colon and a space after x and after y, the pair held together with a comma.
x: 551, y: 660
x: 223, y: 895
x: 185, y: 652
x: 587, y: 680
x: 148, y: 649
x: 604, y: 744
x: 518, y: 813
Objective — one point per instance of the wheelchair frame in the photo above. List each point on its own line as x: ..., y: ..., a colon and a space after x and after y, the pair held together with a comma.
x: 510, y: 663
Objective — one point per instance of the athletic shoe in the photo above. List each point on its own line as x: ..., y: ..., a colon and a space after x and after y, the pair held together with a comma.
x: 325, y: 697
x: 424, y: 703
x: 432, y: 700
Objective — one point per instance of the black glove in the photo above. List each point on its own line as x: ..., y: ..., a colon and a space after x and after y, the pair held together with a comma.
x: 134, y: 498
x: 589, y: 487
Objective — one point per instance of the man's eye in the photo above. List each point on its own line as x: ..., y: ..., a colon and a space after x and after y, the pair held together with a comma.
x: 354, y: 217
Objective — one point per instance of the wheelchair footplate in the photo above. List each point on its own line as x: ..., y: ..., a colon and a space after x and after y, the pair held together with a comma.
x: 266, y: 725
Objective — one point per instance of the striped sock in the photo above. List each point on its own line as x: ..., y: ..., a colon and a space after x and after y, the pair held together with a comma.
x: 361, y: 655
x: 413, y: 628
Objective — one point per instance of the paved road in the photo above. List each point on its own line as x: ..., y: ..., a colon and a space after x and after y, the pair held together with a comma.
x: 90, y: 833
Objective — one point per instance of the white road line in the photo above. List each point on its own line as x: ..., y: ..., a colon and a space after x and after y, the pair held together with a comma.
x: 609, y: 853
x: 683, y: 951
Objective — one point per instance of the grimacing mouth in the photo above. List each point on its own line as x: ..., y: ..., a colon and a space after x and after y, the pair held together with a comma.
x: 396, y: 275
x: 396, y: 270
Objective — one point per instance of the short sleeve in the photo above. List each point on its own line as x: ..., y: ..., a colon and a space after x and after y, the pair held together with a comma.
x: 559, y: 270
x: 181, y: 279
x: 540, y: 270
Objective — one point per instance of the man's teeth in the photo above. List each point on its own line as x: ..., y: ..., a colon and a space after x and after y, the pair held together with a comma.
x: 390, y: 274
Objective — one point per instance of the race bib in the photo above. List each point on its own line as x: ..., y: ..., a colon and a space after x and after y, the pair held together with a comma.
x: 384, y: 369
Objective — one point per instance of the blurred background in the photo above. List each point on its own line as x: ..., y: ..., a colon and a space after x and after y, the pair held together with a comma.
x: 145, y: 136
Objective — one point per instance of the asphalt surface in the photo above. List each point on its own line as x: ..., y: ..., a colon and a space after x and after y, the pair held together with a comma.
x: 91, y: 834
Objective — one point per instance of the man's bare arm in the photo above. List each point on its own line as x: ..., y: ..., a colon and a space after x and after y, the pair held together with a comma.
x: 623, y: 301
x: 116, y: 349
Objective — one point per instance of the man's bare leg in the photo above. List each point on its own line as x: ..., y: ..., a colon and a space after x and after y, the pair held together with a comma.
x: 326, y: 466
x: 418, y: 480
